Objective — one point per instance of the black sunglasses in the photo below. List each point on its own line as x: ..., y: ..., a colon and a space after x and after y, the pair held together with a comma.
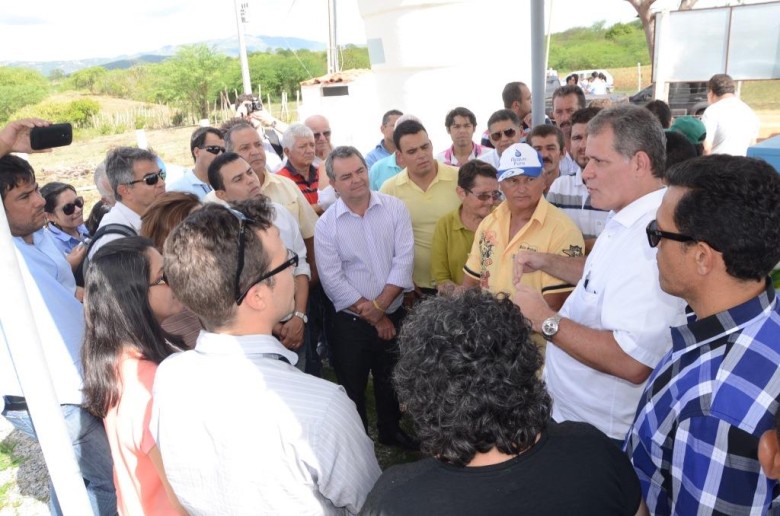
x: 213, y: 149
x: 654, y: 235
x: 509, y: 133
x: 292, y: 261
x: 150, y: 179
x: 326, y: 134
x: 69, y: 208
x: 486, y: 196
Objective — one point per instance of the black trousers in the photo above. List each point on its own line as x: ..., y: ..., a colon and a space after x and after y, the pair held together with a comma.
x: 358, y: 350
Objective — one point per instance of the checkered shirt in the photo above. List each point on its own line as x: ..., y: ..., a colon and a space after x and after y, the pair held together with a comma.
x: 694, y: 442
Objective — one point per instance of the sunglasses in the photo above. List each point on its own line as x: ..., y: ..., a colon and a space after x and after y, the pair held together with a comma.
x: 150, y: 179
x: 326, y: 134
x: 509, y: 133
x: 654, y: 235
x: 69, y: 208
x: 214, y: 149
x: 163, y: 280
x: 495, y: 195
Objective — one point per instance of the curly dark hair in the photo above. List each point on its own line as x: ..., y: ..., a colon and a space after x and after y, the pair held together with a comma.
x: 732, y: 204
x: 467, y: 374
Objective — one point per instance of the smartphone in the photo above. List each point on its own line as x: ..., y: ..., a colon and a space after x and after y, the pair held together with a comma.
x: 55, y: 135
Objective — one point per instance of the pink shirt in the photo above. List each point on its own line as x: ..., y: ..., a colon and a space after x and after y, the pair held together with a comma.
x: 139, y: 489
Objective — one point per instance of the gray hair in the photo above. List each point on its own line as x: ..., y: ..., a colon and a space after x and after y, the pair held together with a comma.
x: 635, y: 129
x: 403, y: 118
x: 342, y: 152
x: 231, y: 128
x: 99, y: 177
x: 294, y: 132
x: 119, y: 165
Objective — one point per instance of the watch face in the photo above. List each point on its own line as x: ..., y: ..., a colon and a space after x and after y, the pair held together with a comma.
x: 549, y: 327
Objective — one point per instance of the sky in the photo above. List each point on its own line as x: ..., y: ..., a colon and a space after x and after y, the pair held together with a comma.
x: 53, y: 30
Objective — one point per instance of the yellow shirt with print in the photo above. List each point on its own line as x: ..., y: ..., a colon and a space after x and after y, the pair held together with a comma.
x: 425, y: 208
x: 491, y: 260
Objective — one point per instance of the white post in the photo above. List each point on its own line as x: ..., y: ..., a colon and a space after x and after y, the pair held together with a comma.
x: 660, y: 56
x: 638, y: 76
x: 538, y: 70
x: 140, y: 138
x: 24, y: 345
x: 242, y: 17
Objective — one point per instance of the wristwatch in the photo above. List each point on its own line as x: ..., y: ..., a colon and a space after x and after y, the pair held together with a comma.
x: 550, y: 327
x: 305, y: 319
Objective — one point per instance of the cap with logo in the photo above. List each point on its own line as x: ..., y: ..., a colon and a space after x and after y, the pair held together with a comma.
x: 519, y: 159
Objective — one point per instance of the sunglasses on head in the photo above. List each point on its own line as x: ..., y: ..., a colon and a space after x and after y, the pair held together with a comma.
x: 213, y: 149
x: 326, y: 134
x: 150, y: 179
x: 69, y: 208
x: 509, y: 133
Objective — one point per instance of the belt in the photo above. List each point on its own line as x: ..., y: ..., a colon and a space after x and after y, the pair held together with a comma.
x: 14, y: 403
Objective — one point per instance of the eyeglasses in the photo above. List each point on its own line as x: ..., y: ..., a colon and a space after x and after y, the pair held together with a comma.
x: 213, y: 149
x: 69, y: 208
x: 326, y: 134
x: 162, y: 280
x: 486, y: 196
x: 654, y: 235
x: 509, y: 133
x: 150, y: 179
x: 242, y: 220
x: 292, y: 261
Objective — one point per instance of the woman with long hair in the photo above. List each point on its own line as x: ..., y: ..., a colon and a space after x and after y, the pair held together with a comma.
x: 126, y: 298
x: 159, y: 219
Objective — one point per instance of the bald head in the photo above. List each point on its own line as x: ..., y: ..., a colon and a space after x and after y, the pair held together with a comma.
x: 320, y: 126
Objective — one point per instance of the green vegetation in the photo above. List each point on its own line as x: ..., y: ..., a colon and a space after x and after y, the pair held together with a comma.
x: 7, y: 459
x: 20, y: 87
x: 621, y: 45
x: 77, y: 112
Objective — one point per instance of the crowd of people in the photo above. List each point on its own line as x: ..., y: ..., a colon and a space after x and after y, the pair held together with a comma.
x: 576, y: 317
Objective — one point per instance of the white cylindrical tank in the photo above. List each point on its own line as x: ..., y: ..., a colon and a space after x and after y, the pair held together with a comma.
x: 431, y: 56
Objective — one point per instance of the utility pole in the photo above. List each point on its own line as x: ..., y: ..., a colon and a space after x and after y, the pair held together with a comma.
x: 242, y: 17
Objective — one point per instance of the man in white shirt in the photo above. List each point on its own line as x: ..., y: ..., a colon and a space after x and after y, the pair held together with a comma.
x: 235, y: 181
x: 566, y: 100
x: 503, y: 130
x: 614, y: 327
x: 137, y: 180
x: 731, y: 125
x: 206, y: 144
x: 240, y: 430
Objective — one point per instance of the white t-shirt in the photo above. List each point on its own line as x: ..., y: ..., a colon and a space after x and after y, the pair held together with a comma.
x: 731, y: 126
x: 619, y: 291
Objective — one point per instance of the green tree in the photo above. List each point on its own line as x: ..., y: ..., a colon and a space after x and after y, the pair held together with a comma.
x: 20, y: 87
x: 192, y: 78
x: 88, y: 79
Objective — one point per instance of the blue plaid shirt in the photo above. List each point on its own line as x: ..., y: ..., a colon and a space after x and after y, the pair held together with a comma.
x: 694, y: 442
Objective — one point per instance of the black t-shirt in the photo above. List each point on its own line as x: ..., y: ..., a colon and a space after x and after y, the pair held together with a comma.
x: 573, y: 469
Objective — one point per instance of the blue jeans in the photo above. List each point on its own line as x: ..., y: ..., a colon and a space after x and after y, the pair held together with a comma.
x: 93, y: 455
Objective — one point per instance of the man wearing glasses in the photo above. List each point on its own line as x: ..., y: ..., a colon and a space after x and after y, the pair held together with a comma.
x: 695, y: 438
x: 503, y: 131
x: 525, y: 221
x: 365, y: 250
x: 320, y: 126
x: 240, y: 430
x: 234, y: 181
x: 614, y: 327
x: 696, y: 434
x: 137, y: 180
x: 206, y: 144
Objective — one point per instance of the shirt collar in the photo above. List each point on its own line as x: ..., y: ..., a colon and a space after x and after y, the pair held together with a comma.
x: 638, y: 208
x: 132, y: 217
x: 65, y: 237
x: 342, y: 208
x: 539, y: 214
x: 716, y: 326
x: 312, y: 171
x: 250, y: 345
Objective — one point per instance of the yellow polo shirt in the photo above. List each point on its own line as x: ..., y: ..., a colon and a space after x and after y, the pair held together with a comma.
x: 451, y: 246
x: 285, y: 192
x: 425, y: 208
x: 491, y: 260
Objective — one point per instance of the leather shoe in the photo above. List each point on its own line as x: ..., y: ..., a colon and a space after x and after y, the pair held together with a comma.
x: 400, y: 439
